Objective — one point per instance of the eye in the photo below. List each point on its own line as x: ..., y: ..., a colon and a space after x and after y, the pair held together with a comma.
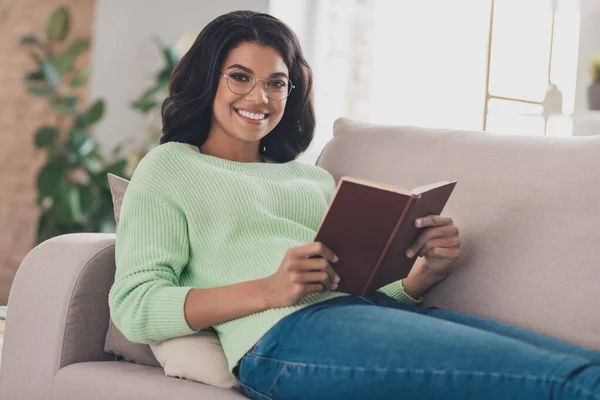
x: 240, y: 77
x: 277, y: 83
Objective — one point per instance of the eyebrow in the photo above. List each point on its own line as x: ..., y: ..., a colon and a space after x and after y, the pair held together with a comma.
x: 248, y: 70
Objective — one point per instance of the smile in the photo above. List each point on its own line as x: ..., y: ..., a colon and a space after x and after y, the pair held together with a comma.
x: 246, y: 115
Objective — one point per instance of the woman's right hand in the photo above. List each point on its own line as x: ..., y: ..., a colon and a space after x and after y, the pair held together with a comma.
x: 305, y: 269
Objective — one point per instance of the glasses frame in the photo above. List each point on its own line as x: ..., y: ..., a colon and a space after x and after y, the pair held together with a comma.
x: 264, y: 85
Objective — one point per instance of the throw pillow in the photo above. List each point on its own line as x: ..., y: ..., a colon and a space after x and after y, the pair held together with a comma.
x: 198, y: 357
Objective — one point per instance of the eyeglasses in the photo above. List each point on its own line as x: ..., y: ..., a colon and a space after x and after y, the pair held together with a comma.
x: 242, y: 83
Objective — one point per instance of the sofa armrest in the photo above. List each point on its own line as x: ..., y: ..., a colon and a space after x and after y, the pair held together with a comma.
x: 57, y: 312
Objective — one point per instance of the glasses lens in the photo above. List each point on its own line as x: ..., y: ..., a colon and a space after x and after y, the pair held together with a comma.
x: 278, y: 88
x: 240, y: 82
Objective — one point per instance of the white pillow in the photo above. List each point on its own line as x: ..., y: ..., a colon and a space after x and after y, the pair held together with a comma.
x: 198, y: 357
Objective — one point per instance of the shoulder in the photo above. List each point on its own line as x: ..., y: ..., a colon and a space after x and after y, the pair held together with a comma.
x: 162, y: 168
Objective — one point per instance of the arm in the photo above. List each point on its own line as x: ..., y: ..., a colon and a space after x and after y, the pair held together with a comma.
x: 208, y: 307
x: 420, y: 280
x: 147, y: 302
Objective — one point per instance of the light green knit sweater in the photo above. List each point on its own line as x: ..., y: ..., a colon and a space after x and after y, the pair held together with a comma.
x: 190, y: 220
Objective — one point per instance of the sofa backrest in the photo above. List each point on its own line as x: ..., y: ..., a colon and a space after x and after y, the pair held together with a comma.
x: 527, y: 209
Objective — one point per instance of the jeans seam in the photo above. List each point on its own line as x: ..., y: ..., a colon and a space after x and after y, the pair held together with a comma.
x: 270, y: 392
x: 435, y: 371
x: 367, y: 300
x: 262, y: 395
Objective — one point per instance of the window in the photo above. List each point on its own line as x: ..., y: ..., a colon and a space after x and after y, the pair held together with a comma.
x: 428, y: 63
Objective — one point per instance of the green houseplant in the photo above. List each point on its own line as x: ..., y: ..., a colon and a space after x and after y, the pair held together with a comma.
x: 149, y: 103
x: 150, y: 100
x: 73, y: 192
x: 594, y: 88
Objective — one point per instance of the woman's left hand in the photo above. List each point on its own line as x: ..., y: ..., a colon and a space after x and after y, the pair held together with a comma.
x: 439, y: 245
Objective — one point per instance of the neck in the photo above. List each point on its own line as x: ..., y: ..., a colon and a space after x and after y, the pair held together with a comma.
x: 231, y: 149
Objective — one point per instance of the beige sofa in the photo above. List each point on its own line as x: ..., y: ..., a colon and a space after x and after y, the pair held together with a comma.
x: 527, y: 207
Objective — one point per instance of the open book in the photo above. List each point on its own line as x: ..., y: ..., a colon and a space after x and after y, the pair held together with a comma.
x: 370, y: 225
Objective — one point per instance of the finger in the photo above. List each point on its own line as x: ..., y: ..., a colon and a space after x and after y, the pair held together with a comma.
x: 448, y: 254
x: 429, y: 234
x: 447, y: 242
x: 313, y: 288
x: 317, y: 277
x: 319, y: 264
x: 313, y: 277
x: 433, y: 220
x: 318, y: 249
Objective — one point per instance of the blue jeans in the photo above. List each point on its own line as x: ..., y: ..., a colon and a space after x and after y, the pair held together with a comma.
x: 376, y: 348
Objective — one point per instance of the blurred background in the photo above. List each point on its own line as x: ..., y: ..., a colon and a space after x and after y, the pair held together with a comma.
x: 81, y: 83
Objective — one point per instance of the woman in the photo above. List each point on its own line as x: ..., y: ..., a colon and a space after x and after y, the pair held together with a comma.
x: 217, y: 228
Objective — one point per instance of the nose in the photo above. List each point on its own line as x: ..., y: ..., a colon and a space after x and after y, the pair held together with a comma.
x: 258, y: 93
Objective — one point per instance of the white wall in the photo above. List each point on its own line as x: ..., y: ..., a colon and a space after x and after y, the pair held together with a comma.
x: 125, y: 59
x: 589, y: 47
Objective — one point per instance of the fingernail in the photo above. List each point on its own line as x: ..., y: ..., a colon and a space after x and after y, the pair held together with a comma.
x: 337, y: 279
x: 409, y: 253
x: 419, y: 222
x: 335, y: 258
x: 334, y: 286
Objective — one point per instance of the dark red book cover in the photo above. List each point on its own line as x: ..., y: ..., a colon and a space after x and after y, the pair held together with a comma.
x: 370, y: 225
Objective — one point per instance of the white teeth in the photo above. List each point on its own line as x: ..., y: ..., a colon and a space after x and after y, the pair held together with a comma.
x: 251, y: 115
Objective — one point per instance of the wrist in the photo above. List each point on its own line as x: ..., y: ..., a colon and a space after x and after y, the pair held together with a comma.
x: 420, y: 279
x: 263, y: 294
x: 425, y: 272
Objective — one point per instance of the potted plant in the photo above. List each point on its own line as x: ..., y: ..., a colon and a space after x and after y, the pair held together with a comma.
x: 72, y: 188
x: 594, y: 88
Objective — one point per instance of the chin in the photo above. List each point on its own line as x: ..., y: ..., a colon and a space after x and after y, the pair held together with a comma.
x: 248, y: 137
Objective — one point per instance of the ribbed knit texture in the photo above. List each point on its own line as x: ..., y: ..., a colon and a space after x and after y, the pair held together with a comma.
x: 191, y: 220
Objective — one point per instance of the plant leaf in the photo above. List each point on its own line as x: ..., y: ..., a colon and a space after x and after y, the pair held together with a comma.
x: 80, y: 146
x: 44, y: 226
x: 146, y: 102
x: 58, y: 24
x: 93, y: 165
x: 40, y: 92
x: 50, y: 74
x: 45, y: 136
x: 65, y: 106
x: 93, y: 114
x: 64, y: 62
x: 116, y: 168
x: 48, y: 179
x: 82, y: 76
x: 74, y: 198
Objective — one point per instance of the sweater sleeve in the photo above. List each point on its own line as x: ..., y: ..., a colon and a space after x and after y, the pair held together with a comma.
x: 396, y: 290
x: 152, y: 249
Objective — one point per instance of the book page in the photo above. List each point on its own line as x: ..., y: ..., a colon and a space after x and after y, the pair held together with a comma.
x: 379, y: 185
x: 428, y: 187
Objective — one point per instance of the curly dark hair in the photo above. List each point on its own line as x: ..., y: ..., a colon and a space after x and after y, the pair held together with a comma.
x: 187, y: 111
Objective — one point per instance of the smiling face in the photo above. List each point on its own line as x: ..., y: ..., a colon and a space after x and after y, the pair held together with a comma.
x: 246, y: 118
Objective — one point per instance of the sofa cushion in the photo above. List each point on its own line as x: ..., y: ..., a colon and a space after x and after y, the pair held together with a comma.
x: 127, y: 381
x: 527, y: 209
x: 117, y: 344
x: 197, y: 357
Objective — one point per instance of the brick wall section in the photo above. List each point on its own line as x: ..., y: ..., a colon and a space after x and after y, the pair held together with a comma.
x: 20, y: 115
